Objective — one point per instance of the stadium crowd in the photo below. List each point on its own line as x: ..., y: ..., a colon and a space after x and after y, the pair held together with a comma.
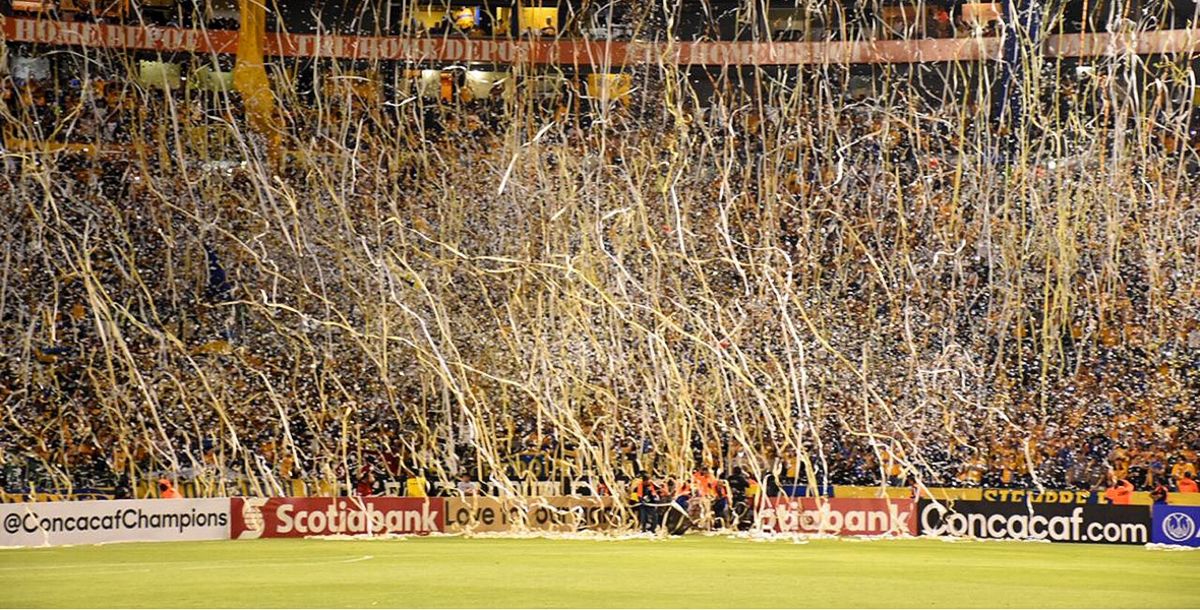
x: 816, y: 290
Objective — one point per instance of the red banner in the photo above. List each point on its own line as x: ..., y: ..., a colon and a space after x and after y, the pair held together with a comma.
x: 62, y: 33
x: 299, y: 517
x: 587, y: 53
x: 839, y: 516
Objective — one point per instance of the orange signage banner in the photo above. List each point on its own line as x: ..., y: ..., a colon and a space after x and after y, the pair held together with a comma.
x: 61, y: 33
x: 588, y: 53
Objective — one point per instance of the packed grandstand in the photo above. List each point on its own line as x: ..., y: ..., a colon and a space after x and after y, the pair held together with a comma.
x: 640, y: 282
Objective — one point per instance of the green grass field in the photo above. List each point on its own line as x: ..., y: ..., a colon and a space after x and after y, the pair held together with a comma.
x: 692, y: 571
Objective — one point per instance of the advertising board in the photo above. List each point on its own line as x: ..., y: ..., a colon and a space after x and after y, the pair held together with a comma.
x: 300, y: 517
x: 1095, y: 523
x: 549, y: 514
x: 1178, y: 525
x: 1048, y: 496
x: 96, y: 521
x: 601, y: 50
x: 839, y: 516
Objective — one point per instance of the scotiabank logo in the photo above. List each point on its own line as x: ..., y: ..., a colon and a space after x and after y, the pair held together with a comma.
x: 298, y: 517
x: 839, y: 516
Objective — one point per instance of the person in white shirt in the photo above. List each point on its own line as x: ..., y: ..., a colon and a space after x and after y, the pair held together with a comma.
x: 466, y: 486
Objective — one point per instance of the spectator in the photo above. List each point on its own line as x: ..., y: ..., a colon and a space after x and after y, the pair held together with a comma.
x: 645, y: 496
x: 415, y: 485
x: 1119, y: 492
x: 167, y: 491
x: 466, y: 486
x: 124, y: 490
x: 1186, y: 485
x: 1159, y: 494
x: 720, y: 505
x: 1182, y: 469
x: 366, y: 485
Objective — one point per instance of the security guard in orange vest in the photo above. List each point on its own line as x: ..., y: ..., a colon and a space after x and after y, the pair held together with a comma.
x: 1121, y: 492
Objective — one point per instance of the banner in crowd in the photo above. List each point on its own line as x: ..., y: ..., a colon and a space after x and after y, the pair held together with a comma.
x: 300, y: 517
x: 587, y: 53
x: 839, y: 516
x: 98, y: 35
x: 1093, y: 523
x: 1179, y: 525
x: 95, y: 521
x: 548, y: 514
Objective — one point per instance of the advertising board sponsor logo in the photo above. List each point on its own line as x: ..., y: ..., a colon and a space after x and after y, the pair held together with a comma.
x: 1029, y: 521
x: 839, y: 516
x: 1176, y: 525
x: 1039, y: 497
x: 90, y: 522
x: 299, y: 517
x: 601, y: 51
x: 559, y: 514
x: 47, y: 31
